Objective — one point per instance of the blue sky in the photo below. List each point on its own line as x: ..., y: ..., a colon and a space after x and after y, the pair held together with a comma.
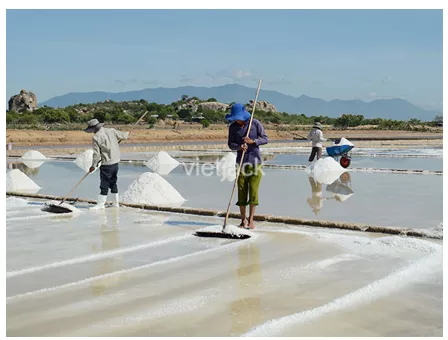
x: 345, y: 54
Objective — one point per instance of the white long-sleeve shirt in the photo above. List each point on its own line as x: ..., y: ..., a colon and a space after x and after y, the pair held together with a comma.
x: 316, y: 137
x: 105, y: 146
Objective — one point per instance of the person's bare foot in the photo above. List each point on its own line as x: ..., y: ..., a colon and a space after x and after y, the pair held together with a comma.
x: 243, y: 223
x: 251, y: 225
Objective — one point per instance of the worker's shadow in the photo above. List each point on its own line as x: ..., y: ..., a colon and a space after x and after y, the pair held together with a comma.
x: 246, y: 309
x: 110, y: 240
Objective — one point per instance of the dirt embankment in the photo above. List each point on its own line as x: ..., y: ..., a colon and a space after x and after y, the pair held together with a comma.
x: 42, y: 138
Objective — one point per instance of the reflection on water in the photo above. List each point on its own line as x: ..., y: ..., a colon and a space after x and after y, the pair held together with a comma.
x: 246, y: 310
x: 109, y: 241
x: 316, y: 199
x: 29, y: 171
x: 214, y: 158
x: 340, y: 190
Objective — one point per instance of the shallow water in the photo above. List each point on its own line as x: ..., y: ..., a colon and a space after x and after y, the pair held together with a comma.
x: 404, y: 200
x: 358, y: 161
x: 126, y: 272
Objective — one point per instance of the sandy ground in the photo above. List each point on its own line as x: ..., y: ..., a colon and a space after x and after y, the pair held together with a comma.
x: 41, y: 138
x: 125, y: 272
x: 184, y: 140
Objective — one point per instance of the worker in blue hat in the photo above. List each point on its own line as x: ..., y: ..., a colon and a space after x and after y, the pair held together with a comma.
x: 250, y: 175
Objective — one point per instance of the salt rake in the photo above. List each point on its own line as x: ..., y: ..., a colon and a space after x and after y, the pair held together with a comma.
x: 64, y: 209
x: 239, y: 233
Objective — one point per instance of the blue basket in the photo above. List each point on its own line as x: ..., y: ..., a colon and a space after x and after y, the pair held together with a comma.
x: 338, y: 150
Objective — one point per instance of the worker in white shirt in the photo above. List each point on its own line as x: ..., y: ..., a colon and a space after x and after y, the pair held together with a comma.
x: 106, y: 149
x: 316, y: 137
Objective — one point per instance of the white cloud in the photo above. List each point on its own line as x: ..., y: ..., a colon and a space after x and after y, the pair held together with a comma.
x: 240, y: 74
x: 387, y: 79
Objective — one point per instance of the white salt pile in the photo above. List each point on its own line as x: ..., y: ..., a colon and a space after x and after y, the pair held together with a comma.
x: 325, y: 170
x: 344, y: 141
x: 162, y: 163
x: 226, y: 167
x: 84, y: 160
x: 16, y: 180
x: 151, y: 188
x: 230, y: 229
x: 33, y: 155
x: 33, y: 159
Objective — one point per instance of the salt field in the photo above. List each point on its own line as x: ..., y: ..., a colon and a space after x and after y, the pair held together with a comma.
x: 131, y: 272
x: 402, y: 200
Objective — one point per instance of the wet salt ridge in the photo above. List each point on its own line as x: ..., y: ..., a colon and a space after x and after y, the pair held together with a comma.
x: 132, y: 272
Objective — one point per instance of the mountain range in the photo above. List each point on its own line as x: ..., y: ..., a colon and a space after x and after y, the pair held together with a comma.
x: 398, y: 109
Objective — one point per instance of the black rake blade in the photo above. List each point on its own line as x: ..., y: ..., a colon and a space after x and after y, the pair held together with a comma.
x: 221, y: 235
x: 57, y: 209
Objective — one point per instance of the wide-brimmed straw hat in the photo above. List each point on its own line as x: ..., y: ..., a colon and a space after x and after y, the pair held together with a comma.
x: 92, y: 125
x: 238, y: 112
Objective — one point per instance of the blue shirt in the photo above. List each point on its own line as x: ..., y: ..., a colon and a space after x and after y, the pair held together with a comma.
x: 257, y: 134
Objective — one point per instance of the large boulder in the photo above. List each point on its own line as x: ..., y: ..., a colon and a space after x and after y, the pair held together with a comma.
x: 214, y: 106
x: 25, y: 101
x: 262, y: 106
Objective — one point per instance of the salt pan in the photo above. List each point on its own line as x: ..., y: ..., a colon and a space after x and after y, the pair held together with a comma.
x: 84, y: 160
x: 151, y: 188
x: 225, y: 167
x: 16, y: 180
x: 325, y: 170
x: 162, y: 163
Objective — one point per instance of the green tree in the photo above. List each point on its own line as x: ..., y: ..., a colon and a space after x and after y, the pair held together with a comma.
x: 152, y: 122
x: 205, y: 123
x: 185, y: 114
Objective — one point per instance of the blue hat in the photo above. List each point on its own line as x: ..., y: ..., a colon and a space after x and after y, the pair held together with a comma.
x: 238, y: 112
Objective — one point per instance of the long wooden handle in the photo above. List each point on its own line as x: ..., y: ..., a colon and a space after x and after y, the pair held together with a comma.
x: 242, y: 157
x: 135, y: 124
x: 77, y: 184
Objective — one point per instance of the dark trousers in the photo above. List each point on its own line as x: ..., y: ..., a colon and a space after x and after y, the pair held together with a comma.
x: 315, y: 151
x: 108, y: 176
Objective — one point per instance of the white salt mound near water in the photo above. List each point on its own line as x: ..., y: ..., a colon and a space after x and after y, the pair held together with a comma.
x: 151, y: 188
x: 230, y: 229
x: 84, y: 160
x: 162, y: 163
x: 325, y: 170
x: 225, y: 167
x: 33, y: 155
x: 33, y: 159
x: 345, y: 141
x: 16, y: 180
